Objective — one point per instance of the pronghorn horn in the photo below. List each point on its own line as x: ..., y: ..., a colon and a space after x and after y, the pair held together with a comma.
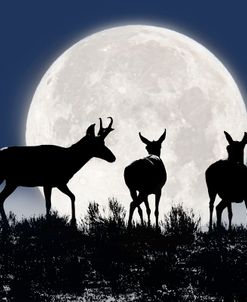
x: 103, y: 132
x: 144, y: 139
x: 111, y: 122
x: 228, y: 137
x: 101, y: 129
x: 100, y: 123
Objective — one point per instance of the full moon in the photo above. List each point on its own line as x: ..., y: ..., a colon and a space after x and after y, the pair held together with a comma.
x: 148, y: 79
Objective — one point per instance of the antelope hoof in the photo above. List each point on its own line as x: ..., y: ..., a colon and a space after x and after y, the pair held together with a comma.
x: 129, y: 226
x: 210, y: 228
x: 158, y: 230
x: 73, y: 223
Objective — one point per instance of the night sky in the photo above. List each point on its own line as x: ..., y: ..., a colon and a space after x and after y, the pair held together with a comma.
x: 34, y: 33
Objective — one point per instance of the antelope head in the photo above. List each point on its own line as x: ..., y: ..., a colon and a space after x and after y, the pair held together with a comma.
x: 153, y: 147
x: 98, y: 142
x: 235, y: 149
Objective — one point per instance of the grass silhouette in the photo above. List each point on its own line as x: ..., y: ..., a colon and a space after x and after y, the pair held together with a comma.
x: 44, y: 260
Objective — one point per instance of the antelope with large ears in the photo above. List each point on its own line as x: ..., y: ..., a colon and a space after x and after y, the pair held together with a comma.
x: 51, y: 166
x: 146, y: 176
x: 228, y: 179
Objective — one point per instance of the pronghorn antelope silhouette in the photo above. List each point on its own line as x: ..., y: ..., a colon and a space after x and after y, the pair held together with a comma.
x: 228, y: 179
x: 51, y: 166
x: 144, y: 177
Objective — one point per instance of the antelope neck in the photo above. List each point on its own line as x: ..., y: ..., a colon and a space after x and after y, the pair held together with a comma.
x: 81, y: 150
x: 233, y: 160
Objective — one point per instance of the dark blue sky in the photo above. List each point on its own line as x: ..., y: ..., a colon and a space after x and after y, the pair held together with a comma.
x: 34, y: 33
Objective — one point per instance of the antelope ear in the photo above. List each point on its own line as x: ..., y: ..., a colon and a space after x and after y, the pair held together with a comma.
x: 144, y: 139
x: 162, y: 138
x: 228, y: 137
x: 244, y: 140
x: 90, y: 130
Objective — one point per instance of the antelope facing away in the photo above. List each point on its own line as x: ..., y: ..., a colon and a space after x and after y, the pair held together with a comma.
x: 228, y: 179
x: 144, y: 177
x: 50, y: 166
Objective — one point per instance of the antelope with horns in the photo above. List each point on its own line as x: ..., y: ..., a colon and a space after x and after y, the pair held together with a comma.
x: 144, y: 177
x: 228, y: 179
x: 51, y: 166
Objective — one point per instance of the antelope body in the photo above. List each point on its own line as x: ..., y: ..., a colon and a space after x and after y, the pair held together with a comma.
x: 146, y: 176
x: 228, y: 179
x: 50, y: 166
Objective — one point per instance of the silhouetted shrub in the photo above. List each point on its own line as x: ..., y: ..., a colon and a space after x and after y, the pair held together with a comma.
x: 221, y: 260
x: 181, y: 224
x: 117, y: 212
x: 44, y: 260
x: 100, y: 225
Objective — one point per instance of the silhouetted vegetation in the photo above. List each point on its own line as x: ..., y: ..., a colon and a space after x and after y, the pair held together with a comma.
x: 181, y: 224
x: 44, y: 260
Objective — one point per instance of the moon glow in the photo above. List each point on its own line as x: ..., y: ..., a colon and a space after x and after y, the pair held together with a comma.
x: 148, y: 79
